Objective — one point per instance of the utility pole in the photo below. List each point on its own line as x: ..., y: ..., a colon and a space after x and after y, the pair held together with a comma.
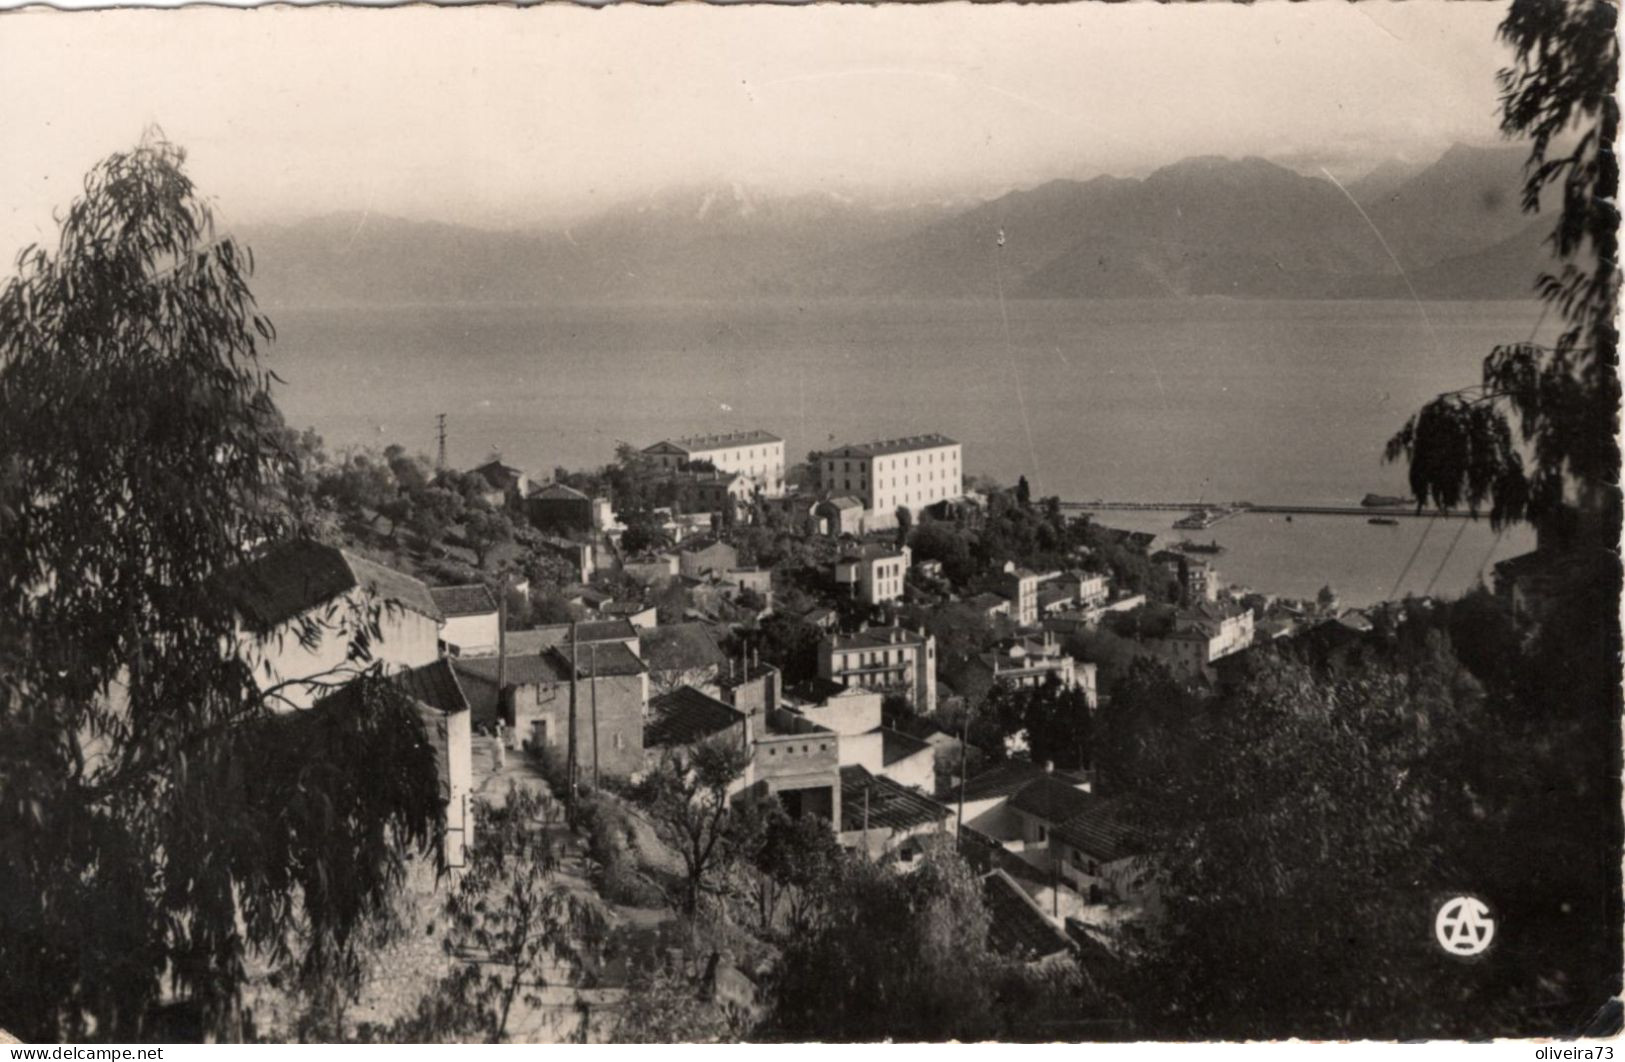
x: 867, y: 854
x: 440, y: 438
x: 592, y: 662
x: 964, y: 769
x: 503, y: 703
x: 570, y: 760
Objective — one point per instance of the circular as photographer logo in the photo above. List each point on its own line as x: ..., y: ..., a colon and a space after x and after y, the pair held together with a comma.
x: 1464, y: 927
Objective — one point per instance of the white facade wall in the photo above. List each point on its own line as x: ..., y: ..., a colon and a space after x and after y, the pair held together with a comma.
x: 1086, y: 679
x: 875, y: 580
x: 407, y: 639
x: 852, y: 712
x: 761, y: 461
x: 1090, y: 588
x: 910, y: 664
x: 880, y: 579
x: 473, y: 635
x: 1120, y: 879
x: 1024, y: 605
x: 864, y: 750
x: 915, y: 479
x: 459, y: 834
x: 918, y: 771
x: 995, y: 817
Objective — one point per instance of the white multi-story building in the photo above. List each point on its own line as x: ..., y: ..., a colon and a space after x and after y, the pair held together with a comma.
x: 1021, y: 587
x: 1088, y: 588
x: 757, y: 454
x: 874, y: 573
x: 1028, y: 662
x: 889, y: 659
x: 1202, y: 635
x: 911, y: 473
x: 1198, y: 578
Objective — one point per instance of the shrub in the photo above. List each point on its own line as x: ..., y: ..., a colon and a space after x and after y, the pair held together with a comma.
x: 611, y: 846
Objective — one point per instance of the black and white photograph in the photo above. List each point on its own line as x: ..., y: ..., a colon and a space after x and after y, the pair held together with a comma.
x: 889, y: 524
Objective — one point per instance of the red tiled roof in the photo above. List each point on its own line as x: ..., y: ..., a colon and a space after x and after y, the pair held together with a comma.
x: 553, y: 634
x: 1003, y: 779
x: 686, y: 716
x: 435, y: 690
x: 1106, y: 829
x: 291, y: 578
x: 524, y: 669
x: 605, y: 659
x: 1052, y: 799
x: 884, y: 447
x: 896, y: 745
x: 681, y: 647
x: 878, y: 638
x: 1016, y: 926
x: 471, y: 600
x: 559, y: 492
x: 703, y: 443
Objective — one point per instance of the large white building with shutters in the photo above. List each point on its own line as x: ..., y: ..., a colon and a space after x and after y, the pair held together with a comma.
x: 757, y: 454
x: 912, y: 472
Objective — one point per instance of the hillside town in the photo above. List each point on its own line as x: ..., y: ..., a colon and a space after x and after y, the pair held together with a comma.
x: 903, y: 657
x: 478, y: 653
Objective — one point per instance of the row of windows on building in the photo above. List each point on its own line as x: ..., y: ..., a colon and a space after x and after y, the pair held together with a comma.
x: 773, y: 750
x: 928, y: 459
x: 737, y: 455
x: 896, y: 481
x: 878, y: 658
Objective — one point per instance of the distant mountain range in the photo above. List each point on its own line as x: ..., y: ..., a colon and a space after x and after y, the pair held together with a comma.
x: 1203, y: 226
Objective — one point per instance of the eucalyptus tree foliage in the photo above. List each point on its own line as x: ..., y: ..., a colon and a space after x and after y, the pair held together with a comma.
x: 1461, y: 447
x: 901, y: 956
x: 515, y: 928
x: 689, y: 801
x: 158, y: 819
x: 1302, y: 826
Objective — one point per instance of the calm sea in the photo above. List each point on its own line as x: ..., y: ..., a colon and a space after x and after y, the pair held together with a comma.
x: 1209, y: 398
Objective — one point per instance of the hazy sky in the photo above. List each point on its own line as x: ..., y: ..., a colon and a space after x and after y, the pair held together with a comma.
x: 493, y: 116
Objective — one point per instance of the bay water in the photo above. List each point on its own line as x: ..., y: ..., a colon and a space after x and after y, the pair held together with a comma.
x: 1212, y: 399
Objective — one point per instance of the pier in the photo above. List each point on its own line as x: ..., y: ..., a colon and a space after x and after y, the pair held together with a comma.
x: 1236, y: 508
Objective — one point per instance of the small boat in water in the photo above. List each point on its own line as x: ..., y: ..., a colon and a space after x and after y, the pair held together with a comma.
x: 1201, y: 519
x: 1384, y: 521
x: 1385, y: 501
x: 1200, y: 547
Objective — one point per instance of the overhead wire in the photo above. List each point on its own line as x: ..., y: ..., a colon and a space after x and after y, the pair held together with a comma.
x: 1407, y: 569
x: 1448, y: 551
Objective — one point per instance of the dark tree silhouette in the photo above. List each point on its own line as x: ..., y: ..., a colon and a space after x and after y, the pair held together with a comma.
x: 1560, y: 472
x: 157, y: 820
x: 1461, y: 446
x: 1302, y: 828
